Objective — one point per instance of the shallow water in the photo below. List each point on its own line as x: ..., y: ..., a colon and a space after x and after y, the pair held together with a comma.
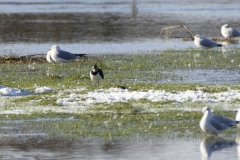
x: 102, y: 26
x: 136, y: 148
x: 202, y: 76
x: 21, y: 142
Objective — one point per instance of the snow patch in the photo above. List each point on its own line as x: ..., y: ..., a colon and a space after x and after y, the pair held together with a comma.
x: 43, y: 90
x: 122, y: 95
x: 6, y: 91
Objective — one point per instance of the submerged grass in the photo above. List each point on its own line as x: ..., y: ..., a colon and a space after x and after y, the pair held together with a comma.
x: 137, y: 72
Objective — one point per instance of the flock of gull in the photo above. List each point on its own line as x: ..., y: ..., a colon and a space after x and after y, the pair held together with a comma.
x: 205, y: 43
x: 210, y: 122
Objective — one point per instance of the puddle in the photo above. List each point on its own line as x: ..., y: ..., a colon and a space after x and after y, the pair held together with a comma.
x: 203, y: 76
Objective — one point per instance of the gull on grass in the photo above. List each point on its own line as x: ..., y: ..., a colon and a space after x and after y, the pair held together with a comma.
x: 228, y: 32
x: 96, y: 74
x: 202, y: 42
x: 214, y: 124
x: 55, y: 54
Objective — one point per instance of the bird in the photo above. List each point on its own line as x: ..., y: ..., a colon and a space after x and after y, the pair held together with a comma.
x: 228, y: 32
x: 205, y: 43
x: 55, y: 54
x: 96, y: 74
x: 214, y: 124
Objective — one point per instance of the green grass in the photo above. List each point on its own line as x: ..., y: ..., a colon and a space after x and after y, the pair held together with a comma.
x: 135, y: 72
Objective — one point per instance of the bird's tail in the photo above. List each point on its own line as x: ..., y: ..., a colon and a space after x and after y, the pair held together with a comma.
x: 219, y: 45
x: 81, y: 55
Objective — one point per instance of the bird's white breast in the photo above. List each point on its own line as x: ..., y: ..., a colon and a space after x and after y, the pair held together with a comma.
x: 96, y: 77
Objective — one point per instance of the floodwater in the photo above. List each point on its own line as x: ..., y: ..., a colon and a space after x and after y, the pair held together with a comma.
x: 105, y: 26
x: 39, y: 147
x: 112, y: 27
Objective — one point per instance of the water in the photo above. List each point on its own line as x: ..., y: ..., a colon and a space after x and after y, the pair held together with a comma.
x: 113, y: 27
x: 142, y: 149
x: 102, y: 26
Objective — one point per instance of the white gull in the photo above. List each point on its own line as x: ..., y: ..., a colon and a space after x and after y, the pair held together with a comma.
x: 228, y: 32
x: 214, y: 124
x: 202, y: 42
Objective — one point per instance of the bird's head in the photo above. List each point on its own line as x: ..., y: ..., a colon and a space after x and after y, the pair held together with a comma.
x: 55, y: 47
x: 197, y: 37
x: 206, y: 109
x: 95, y: 67
x: 225, y: 26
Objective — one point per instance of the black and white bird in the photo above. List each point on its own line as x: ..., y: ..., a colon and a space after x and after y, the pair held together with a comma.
x: 202, y: 42
x: 96, y: 74
x: 55, y: 54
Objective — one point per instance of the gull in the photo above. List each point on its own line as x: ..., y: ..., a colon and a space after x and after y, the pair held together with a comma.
x: 96, y: 74
x: 229, y: 32
x: 55, y: 54
x: 205, y: 43
x: 214, y: 124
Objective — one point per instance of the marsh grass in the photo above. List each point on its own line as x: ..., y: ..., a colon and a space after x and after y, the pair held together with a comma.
x: 136, y: 72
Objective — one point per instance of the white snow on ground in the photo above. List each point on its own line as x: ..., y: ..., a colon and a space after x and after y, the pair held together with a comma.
x: 43, y: 89
x: 111, y: 95
x: 79, y: 99
x: 6, y: 91
x: 122, y: 95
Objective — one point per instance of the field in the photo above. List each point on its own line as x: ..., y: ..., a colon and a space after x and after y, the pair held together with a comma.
x: 71, y: 106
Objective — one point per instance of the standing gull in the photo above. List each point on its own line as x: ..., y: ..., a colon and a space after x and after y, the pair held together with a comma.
x: 55, y: 54
x: 96, y: 74
x: 229, y: 32
x: 214, y: 124
x: 205, y: 43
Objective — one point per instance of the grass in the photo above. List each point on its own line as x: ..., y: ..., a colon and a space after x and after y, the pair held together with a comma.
x: 137, y: 72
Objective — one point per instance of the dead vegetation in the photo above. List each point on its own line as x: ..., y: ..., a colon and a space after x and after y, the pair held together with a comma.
x: 166, y: 29
x: 35, y: 58
x: 169, y: 34
x: 40, y: 58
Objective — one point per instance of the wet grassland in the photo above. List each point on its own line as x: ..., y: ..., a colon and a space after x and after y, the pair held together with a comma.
x: 64, y: 112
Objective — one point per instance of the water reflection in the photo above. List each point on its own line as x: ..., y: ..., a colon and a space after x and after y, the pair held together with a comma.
x: 227, y: 46
x: 214, y: 144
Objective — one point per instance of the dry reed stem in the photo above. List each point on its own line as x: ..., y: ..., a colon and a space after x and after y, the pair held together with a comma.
x: 178, y: 26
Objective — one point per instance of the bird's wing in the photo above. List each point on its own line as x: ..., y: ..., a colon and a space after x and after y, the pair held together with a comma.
x: 218, y: 125
x: 66, y: 55
x: 235, y: 33
x: 101, y: 73
x: 227, y: 121
x: 208, y: 43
